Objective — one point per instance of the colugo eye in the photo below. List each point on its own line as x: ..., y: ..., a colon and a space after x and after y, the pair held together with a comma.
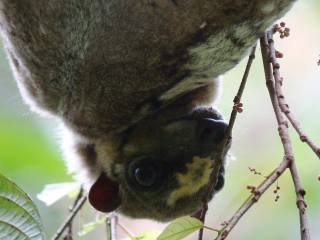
x: 145, y: 173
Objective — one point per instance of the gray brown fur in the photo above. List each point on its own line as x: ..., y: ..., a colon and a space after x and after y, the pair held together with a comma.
x: 103, y: 67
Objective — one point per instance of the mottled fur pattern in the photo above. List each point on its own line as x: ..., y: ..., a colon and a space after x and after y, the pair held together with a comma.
x: 60, y: 51
x: 105, y: 67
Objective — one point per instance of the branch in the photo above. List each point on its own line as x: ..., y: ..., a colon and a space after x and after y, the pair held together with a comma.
x: 237, y: 107
x: 284, y: 134
x: 70, y: 218
x: 273, y: 82
x: 271, y: 178
x: 69, y: 234
x: 253, y: 199
x: 281, y: 99
x: 111, y: 226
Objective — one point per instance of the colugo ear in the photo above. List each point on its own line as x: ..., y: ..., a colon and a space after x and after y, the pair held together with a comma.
x: 104, y: 194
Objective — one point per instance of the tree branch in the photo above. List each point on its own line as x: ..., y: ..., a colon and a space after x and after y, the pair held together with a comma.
x: 253, y: 199
x: 236, y: 108
x: 284, y: 134
x: 273, y: 82
x: 69, y: 234
x: 281, y: 99
x: 70, y: 218
x: 111, y: 226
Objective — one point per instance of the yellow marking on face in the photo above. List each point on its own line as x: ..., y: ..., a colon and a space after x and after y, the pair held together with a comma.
x: 197, y: 175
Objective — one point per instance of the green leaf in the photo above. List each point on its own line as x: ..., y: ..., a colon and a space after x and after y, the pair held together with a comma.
x: 180, y: 228
x: 148, y: 235
x: 19, y: 217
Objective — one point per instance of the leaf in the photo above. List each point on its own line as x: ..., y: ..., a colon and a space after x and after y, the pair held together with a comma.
x: 19, y: 217
x: 55, y: 191
x: 89, y: 227
x: 180, y: 228
x: 148, y: 235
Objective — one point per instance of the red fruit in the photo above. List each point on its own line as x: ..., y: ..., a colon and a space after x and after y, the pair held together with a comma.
x: 104, y: 194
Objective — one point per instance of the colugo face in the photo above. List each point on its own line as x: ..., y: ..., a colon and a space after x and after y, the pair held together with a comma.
x: 162, y: 167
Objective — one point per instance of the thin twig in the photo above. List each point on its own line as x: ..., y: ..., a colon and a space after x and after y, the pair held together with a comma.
x: 283, y: 132
x: 126, y: 230
x: 274, y: 175
x: 111, y: 226
x: 253, y: 199
x: 69, y: 234
x: 271, y: 72
x: 281, y: 99
x: 70, y: 218
x: 301, y: 204
x: 219, y: 162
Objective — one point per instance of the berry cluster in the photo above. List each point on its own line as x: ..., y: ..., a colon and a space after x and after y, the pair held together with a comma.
x: 253, y: 188
x: 279, y: 54
x: 255, y: 172
x: 276, y: 192
x: 238, y: 107
x: 282, y: 30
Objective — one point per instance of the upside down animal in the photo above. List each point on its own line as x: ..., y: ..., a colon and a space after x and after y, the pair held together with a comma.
x: 132, y: 83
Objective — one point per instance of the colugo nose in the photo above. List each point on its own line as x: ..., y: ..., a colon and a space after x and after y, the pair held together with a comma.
x: 211, y: 130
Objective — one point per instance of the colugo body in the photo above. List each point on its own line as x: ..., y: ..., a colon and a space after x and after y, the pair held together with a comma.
x: 132, y: 82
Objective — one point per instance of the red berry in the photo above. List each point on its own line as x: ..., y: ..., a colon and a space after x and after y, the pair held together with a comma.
x: 279, y: 54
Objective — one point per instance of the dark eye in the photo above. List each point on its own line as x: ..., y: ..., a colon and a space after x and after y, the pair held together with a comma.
x: 146, y: 173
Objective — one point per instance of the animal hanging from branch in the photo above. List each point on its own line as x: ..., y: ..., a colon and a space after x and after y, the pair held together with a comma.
x: 132, y: 83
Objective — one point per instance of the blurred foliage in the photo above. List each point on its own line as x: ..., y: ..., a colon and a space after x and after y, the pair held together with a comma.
x: 180, y: 228
x: 19, y: 216
x: 29, y: 146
